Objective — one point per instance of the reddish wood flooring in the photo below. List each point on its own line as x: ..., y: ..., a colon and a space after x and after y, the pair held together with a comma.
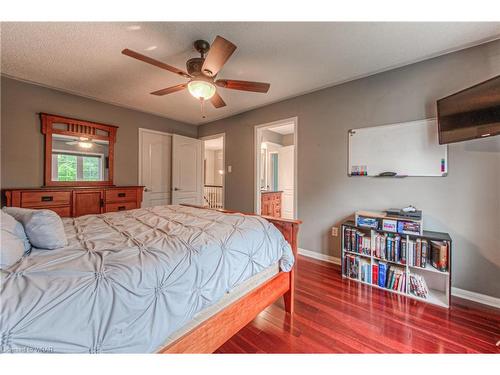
x: 341, y: 316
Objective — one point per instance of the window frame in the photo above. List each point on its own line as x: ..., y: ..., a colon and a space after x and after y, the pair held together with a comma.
x: 79, y: 166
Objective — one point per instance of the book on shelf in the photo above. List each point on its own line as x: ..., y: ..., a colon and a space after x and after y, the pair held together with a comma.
x: 389, y: 247
x: 439, y: 255
x: 375, y: 274
x: 390, y: 276
x: 418, y: 251
x: 356, y: 241
x: 382, y: 269
x: 365, y: 271
x: 418, y: 286
x: 351, y: 266
x: 393, y: 247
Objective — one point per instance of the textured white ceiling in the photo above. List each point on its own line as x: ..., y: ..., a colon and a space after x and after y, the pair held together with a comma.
x: 296, y: 58
x: 283, y: 129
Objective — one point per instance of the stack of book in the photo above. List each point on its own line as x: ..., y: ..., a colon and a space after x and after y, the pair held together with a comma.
x: 351, y: 266
x: 366, y: 271
x: 389, y: 277
x: 389, y: 247
x: 418, y: 287
x: 356, y: 241
x: 418, y: 251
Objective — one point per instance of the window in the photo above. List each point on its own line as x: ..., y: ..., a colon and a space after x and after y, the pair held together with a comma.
x: 76, y: 167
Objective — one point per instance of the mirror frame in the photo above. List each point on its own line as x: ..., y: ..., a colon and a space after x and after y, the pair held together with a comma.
x: 77, y: 128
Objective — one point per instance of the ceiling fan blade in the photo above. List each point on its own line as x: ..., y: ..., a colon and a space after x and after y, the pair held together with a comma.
x: 159, y: 64
x: 220, y: 51
x: 217, y: 101
x: 243, y: 85
x: 170, y: 90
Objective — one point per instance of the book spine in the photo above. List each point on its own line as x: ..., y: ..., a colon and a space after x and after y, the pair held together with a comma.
x: 381, y: 274
x: 374, y: 274
x: 419, y: 252
x: 398, y: 249
x: 389, y: 274
x: 424, y: 253
x: 396, y: 283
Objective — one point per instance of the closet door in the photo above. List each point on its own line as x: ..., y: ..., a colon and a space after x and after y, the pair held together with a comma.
x: 187, y: 170
x: 155, y: 160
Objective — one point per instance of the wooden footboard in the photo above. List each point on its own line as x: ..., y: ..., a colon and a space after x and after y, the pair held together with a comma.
x: 290, y: 230
x: 215, y: 331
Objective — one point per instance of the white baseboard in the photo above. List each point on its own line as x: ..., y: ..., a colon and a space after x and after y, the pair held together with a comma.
x: 476, y: 297
x: 319, y: 256
x: 457, y: 292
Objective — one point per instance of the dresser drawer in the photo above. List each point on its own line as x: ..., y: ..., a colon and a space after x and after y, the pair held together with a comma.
x: 121, y: 195
x: 64, y: 211
x: 114, y: 207
x: 45, y: 198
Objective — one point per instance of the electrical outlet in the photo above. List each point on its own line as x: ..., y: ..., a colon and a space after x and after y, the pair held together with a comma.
x: 335, y: 231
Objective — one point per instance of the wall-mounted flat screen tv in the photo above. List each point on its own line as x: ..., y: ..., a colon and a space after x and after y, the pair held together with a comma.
x: 470, y: 113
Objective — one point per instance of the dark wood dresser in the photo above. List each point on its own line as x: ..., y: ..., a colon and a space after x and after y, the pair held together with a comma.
x: 76, y: 201
x: 270, y: 204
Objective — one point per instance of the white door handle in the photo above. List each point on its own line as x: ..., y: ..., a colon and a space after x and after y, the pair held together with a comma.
x: 147, y: 189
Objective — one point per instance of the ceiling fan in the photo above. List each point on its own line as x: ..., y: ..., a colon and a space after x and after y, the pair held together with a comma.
x: 82, y: 142
x: 202, y: 72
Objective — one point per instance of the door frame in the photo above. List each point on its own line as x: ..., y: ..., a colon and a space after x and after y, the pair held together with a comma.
x: 256, y: 162
x: 139, y: 155
x: 214, y: 136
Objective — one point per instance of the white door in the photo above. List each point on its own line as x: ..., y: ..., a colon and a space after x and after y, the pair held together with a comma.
x: 286, y: 180
x: 155, y: 167
x: 187, y: 170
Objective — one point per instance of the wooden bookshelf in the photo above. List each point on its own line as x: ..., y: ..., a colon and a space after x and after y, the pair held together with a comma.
x: 438, y: 282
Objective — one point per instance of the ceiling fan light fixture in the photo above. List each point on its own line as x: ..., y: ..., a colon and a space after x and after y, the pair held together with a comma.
x: 201, y: 89
x: 85, y: 144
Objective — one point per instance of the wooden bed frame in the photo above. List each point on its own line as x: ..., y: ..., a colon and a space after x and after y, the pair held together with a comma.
x: 209, y: 335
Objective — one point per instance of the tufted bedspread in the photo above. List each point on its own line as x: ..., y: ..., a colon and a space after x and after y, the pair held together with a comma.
x: 127, y: 280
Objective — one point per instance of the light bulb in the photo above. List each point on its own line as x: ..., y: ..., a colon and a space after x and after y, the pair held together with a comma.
x: 85, y: 144
x: 201, y: 89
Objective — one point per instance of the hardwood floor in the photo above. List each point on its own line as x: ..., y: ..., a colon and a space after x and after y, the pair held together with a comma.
x: 333, y: 315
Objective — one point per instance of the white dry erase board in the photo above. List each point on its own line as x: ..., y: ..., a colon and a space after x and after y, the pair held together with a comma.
x: 408, y: 149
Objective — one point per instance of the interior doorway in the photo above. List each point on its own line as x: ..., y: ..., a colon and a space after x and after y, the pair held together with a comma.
x: 276, y: 169
x: 214, y: 170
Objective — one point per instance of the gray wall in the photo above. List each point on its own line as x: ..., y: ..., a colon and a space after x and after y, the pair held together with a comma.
x: 22, y: 141
x: 466, y: 203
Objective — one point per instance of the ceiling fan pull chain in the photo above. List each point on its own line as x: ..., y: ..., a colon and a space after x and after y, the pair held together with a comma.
x: 202, y: 102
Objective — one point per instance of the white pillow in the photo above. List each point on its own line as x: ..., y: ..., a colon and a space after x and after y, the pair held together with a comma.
x: 44, y: 228
x: 14, y: 243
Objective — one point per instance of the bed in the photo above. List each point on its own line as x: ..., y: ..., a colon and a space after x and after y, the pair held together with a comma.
x: 166, y: 279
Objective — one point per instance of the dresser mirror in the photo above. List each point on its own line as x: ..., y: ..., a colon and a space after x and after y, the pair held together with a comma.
x: 77, y: 152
